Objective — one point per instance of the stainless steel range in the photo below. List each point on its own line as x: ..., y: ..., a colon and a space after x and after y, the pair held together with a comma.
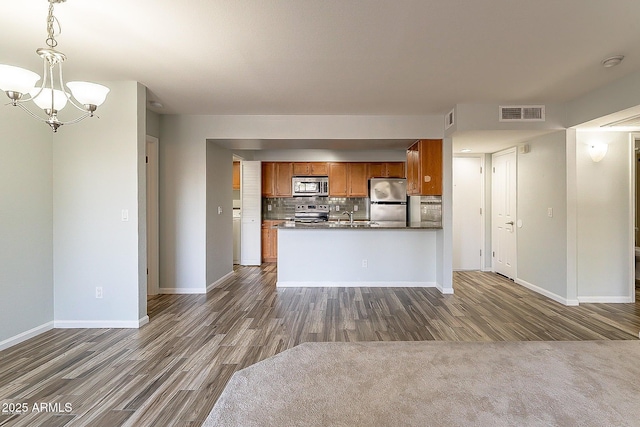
x: 311, y: 213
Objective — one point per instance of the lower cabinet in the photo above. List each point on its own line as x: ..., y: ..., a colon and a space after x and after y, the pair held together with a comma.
x: 270, y: 240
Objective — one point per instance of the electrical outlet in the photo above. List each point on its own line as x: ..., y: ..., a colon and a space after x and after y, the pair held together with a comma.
x: 219, y: 210
x: 365, y: 263
x: 269, y: 208
x: 550, y: 212
x: 337, y: 208
x: 99, y: 292
x: 355, y: 208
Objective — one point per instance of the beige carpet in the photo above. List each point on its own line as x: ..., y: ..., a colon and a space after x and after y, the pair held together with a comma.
x: 593, y: 383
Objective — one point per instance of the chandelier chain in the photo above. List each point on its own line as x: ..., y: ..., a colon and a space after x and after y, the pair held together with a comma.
x: 52, y: 22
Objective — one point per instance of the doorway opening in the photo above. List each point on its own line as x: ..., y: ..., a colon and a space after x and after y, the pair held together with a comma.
x: 237, y: 208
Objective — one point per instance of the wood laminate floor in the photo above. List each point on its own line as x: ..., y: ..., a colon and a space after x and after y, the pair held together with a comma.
x: 171, y: 371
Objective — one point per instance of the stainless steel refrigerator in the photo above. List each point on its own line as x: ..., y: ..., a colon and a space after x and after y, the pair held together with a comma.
x: 388, y: 199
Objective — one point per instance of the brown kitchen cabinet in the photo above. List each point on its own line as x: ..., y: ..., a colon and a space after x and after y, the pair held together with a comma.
x: 386, y: 170
x: 338, y: 179
x: 270, y: 240
x: 424, y: 168
x: 310, y: 169
x: 357, y: 180
x: 276, y: 179
x: 236, y: 175
x: 348, y: 179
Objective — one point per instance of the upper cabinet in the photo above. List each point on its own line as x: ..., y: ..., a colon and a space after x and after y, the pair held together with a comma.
x: 386, y: 170
x: 357, y: 180
x: 338, y: 180
x: 424, y: 168
x: 276, y: 179
x: 310, y: 169
x: 236, y: 175
x: 348, y: 180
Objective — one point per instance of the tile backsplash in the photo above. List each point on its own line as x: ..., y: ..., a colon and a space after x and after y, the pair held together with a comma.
x: 284, y: 207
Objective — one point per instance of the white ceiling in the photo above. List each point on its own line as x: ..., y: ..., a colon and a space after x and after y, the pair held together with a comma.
x: 378, y: 57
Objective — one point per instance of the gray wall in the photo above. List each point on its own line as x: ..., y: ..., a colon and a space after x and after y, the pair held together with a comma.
x: 219, y: 226
x: 153, y: 123
x: 186, y: 263
x: 26, y: 200
x: 96, y: 175
x: 604, y: 217
x: 542, y: 241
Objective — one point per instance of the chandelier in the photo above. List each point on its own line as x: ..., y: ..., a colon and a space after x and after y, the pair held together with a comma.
x: 52, y: 95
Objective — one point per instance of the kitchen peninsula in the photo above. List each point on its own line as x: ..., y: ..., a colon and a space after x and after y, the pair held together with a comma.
x: 372, y: 255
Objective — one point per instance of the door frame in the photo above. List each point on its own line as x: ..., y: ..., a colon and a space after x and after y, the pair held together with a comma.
x: 483, y: 202
x: 153, y: 224
x: 513, y: 150
x: 634, y: 138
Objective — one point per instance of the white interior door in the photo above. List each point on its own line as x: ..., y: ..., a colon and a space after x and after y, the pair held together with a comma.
x: 503, y: 208
x: 251, y: 201
x: 467, y: 213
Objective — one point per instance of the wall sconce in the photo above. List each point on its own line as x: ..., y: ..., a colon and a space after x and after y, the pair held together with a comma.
x: 597, y: 151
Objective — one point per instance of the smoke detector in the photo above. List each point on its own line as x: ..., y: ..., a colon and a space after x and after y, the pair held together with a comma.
x: 613, y: 61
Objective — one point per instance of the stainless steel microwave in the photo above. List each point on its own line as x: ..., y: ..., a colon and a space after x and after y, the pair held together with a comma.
x: 310, y: 186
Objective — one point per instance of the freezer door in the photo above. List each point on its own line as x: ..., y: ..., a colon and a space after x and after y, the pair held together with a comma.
x: 388, y: 190
x: 388, y: 212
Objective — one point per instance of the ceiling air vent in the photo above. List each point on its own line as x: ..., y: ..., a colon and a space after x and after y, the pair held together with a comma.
x: 522, y: 113
x: 449, y: 120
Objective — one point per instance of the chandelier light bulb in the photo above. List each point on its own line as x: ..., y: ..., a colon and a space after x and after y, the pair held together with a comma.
x: 88, y: 93
x: 43, y: 99
x: 16, y: 79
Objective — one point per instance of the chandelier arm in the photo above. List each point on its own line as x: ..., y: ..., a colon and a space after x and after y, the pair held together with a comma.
x: 78, y: 119
x: 31, y: 113
x: 68, y: 94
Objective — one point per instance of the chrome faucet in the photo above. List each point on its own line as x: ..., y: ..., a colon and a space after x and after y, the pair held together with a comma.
x: 350, y: 213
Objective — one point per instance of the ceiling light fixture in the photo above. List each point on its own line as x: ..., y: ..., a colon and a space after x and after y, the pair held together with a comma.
x: 613, y: 61
x: 465, y: 150
x: 51, y: 96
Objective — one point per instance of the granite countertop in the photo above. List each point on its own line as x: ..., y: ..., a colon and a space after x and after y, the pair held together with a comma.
x: 359, y: 225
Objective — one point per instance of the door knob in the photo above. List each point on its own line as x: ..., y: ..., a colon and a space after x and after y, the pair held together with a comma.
x: 510, y: 223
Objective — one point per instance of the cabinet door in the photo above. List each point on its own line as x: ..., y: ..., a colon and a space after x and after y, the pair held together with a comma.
x: 377, y: 170
x: 395, y: 170
x: 318, y: 169
x: 301, y: 169
x: 338, y: 179
x: 266, y: 241
x: 431, y: 167
x: 236, y: 175
x: 358, y: 180
x: 268, y: 177
x: 283, y: 175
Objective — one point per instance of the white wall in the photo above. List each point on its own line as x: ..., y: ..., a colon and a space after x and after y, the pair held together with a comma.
x: 96, y: 175
x: 184, y: 265
x: 603, y: 206
x: 26, y: 238
x: 542, y: 240
x: 394, y: 257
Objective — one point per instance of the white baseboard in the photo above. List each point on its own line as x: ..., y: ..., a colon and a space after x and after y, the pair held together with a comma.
x: 546, y: 293
x: 219, y: 281
x: 101, y: 324
x: 282, y: 284
x: 606, y: 300
x: 17, y: 339
x: 444, y: 291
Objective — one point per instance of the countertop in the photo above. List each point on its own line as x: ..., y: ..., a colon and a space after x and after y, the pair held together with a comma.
x: 359, y: 225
